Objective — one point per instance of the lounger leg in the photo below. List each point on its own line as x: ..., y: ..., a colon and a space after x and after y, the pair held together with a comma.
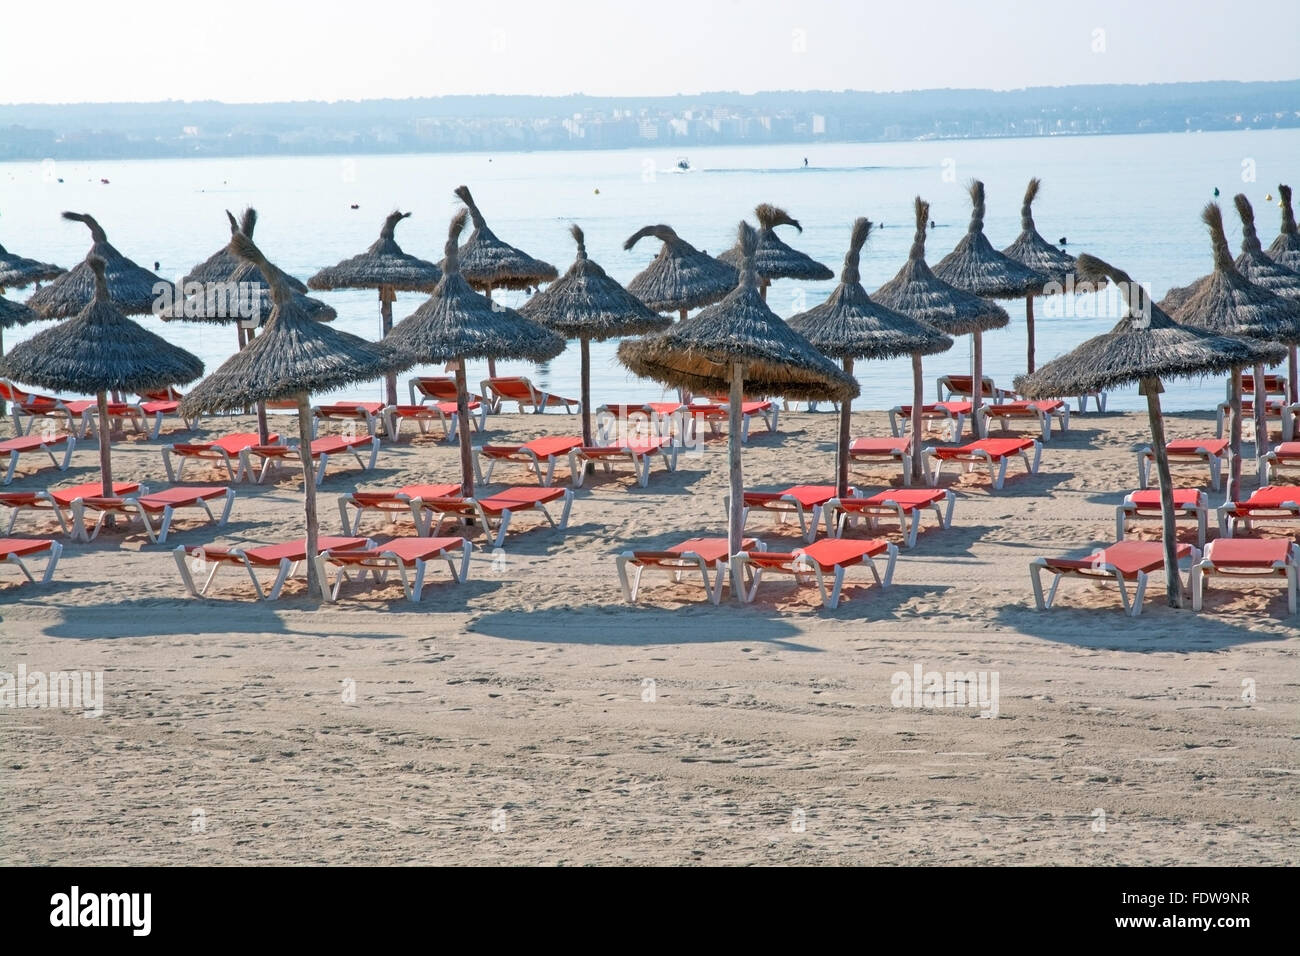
x: 1121, y: 517
x: 22, y: 566
x: 56, y: 551
x: 564, y: 515
x: 286, y: 567
x: 641, y: 465
x: 912, y: 530
x: 1198, y: 574
x: 999, y: 479
x: 550, y: 471
x: 1291, y: 586
x: 1123, y: 593
x: 161, y: 536
x: 320, y: 469
x: 13, y: 464
x: 466, y: 550
x: 501, y: 530
x: 630, y: 585
x: 1216, y: 473
x: 1035, y: 579
x: 577, y: 470
x: 893, y: 424
x: 1144, y: 466
x: 343, y: 515
x: 1140, y: 591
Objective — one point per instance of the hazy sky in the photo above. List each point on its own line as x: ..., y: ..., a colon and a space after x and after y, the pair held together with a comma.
x: 251, y: 50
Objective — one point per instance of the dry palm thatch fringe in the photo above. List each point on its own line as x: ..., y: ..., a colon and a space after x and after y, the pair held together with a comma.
x: 1031, y: 249
x: 15, y: 313
x: 488, y: 263
x: 774, y: 259
x: 1286, y: 247
x: 917, y: 292
x: 1254, y: 264
x: 383, y: 264
x: 133, y: 290
x: 16, y: 272
x: 698, y: 353
x: 223, y: 263
x: 680, y: 277
x: 976, y: 267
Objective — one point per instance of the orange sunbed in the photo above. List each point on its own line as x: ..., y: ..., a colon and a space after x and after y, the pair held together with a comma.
x: 163, y: 504
x: 206, y: 560
x: 993, y: 452
x: 532, y: 454
x: 1188, y: 502
x: 709, y: 556
x: 390, y: 503
x: 831, y: 556
x: 321, y: 450
x: 15, y: 447
x: 493, y: 510
x: 58, y: 501
x: 639, y: 451
x: 15, y: 551
x: 905, y: 504
x: 524, y: 394
x: 406, y: 556
x: 1248, y: 557
x: 226, y: 451
x: 1121, y: 562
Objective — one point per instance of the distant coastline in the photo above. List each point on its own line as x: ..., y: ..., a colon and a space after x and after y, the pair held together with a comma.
x: 468, y: 124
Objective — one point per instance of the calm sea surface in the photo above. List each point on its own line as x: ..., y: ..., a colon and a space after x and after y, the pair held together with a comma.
x: 1133, y: 200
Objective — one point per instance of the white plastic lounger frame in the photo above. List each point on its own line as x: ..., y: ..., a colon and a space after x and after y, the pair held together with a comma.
x: 379, y: 563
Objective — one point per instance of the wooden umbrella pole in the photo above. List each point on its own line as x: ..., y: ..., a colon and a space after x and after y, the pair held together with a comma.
x: 492, y: 363
x: 1029, y: 333
x: 683, y: 394
x: 736, y: 511
x: 1234, y: 436
x: 1261, y: 423
x: 762, y: 290
x: 462, y: 414
x: 105, y: 452
x: 314, y: 586
x: 386, y: 296
x: 918, y: 398
x: 842, y: 447
x: 681, y: 315
x: 1151, y: 388
x: 585, y: 395
x: 977, y: 384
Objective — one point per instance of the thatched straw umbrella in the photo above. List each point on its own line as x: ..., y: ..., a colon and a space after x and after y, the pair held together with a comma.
x: 384, y: 266
x: 456, y: 324
x: 917, y: 293
x: 16, y: 272
x: 588, y: 305
x: 293, y: 357
x: 736, y: 343
x: 223, y: 275
x: 487, y: 263
x: 133, y: 290
x: 1032, y: 250
x: 1228, y: 303
x: 680, y: 277
x: 1285, y: 249
x: 849, y: 325
x: 1262, y: 269
x: 1146, y: 347
x: 100, y: 350
x: 12, y: 314
x: 774, y: 259
x: 974, y: 266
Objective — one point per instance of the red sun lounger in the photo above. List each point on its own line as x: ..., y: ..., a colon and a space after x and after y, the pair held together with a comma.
x: 438, y: 388
x: 1122, y: 562
x: 1282, y: 458
x: 898, y: 449
x: 389, y: 503
x: 206, y: 560
x: 616, y: 422
x: 164, y: 504
x: 829, y: 556
x: 159, y: 405
x: 1040, y: 413
x: 225, y: 451
x: 639, y: 452
x: 710, y: 557
x: 1275, y: 409
x: 805, y: 502
x: 903, y: 504
x: 532, y: 454
x: 1272, y: 503
x: 15, y: 550
x: 493, y: 511
x: 963, y: 385
x: 409, y: 557
x: 716, y: 413
x: 1248, y: 557
x: 321, y: 450
x: 524, y: 394
x: 59, y: 501
x: 1211, y: 452
x: 952, y: 413
x: 994, y: 452
x: 443, y: 414
x: 1188, y: 503
x: 350, y: 413
x: 14, y: 447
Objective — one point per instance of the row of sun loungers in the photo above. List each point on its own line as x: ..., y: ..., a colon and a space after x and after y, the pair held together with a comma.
x: 74, y: 507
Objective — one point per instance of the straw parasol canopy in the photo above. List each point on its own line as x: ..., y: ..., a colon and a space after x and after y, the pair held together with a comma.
x: 223, y: 263
x: 1146, y: 346
x: 849, y: 325
x: 293, y: 357
x: 385, y: 267
x: 1285, y: 249
x: 456, y: 324
x: 588, y: 305
x: 774, y: 259
x: 916, y: 292
x: 16, y: 272
x: 133, y: 290
x: 738, y: 343
x: 976, y: 267
x: 14, y: 313
x: 1032, y: 250
x: 1228, y: 303
x: 100, y: 350
x: 680, y: 277
x: 1262, y: 269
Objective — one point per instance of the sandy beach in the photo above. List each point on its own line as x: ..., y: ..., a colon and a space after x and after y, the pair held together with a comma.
x: 530, y: 716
